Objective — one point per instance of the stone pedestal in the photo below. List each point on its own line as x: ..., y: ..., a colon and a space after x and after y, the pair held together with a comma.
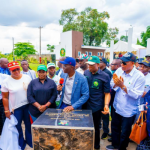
x: 58, y: 130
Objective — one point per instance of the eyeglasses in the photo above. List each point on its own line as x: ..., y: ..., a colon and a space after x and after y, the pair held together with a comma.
x: 124, y: 63
x: 113, y: 64
x: 18, y: 69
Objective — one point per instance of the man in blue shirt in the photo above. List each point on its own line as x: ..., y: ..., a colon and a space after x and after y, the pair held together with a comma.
x: 99, y: 89
x: 129, y: 86
x: 4, y: 66
x: 75, y: 91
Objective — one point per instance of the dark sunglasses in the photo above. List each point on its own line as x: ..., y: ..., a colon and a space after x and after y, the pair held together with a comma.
x: 16, y: 70
x: 124, y: 63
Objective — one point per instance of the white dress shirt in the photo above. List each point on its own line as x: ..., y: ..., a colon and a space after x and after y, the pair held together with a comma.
x: 126, y: 104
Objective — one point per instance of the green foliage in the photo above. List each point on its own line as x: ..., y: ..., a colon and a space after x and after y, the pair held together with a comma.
x: 144, y: 37
x: 124, y: 38
x: 50, y: 48
x: 91, y: 22
x: 111, y: 35
x: 53, y: 57
x: 33, y: 60
x: 23, y: 48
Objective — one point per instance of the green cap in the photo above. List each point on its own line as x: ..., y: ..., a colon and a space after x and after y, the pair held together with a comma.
x: 93, y: 60
x: 42, y: 67
x: 50, y: 65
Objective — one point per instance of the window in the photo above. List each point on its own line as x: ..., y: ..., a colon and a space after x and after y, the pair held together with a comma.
x: 79, y: 53
x: 98, y: 53
x: 86, y: 53
x: 101, y: 53
x: 90, y: 53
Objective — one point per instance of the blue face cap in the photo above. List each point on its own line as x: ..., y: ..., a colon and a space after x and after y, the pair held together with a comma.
x: 103, y: 60
x: 128, y: 57
x: 145, y: 62
x: 69, y: 61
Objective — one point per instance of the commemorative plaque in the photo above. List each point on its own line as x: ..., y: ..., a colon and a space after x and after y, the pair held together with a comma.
x: 58, y: 130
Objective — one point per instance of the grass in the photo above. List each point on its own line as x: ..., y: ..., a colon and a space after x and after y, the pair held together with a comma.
x: 34, y: 66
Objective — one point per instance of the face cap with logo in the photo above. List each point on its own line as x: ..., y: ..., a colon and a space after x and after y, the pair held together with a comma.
x: 13, y: 65
x: 128, y: 57
x: 93, y: 60
x: 42, y: 67
x: 69, y: 61
x: 145, y: 62
x: 50, y: 65
x: 103, y: 60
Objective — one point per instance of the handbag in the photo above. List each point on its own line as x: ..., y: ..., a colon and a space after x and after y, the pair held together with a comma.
x: 139, y: 132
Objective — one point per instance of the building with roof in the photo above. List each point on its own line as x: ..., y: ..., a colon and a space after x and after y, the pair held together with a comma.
x: 71, y: 44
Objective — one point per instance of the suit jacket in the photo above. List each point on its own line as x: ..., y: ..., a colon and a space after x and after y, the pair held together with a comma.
x: 80, y: 91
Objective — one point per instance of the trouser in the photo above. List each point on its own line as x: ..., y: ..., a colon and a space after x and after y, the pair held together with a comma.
x: 96, y: 120
x: 22, y: 114
x: 2, y: 116
x: 121, y: 129
x: 105, y: 119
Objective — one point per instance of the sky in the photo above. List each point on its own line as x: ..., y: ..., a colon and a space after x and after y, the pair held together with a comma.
x: 21, y: 19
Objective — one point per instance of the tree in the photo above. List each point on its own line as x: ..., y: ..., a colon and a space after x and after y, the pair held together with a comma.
x: 23, y: 49
x: 144, y: 37
x: 111, y: 35
x: 50, y: 48
x: 124, y: 38
x: 91, y: 22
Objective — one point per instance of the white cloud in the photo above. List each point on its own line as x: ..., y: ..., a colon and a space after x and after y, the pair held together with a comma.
x: 24, y: 17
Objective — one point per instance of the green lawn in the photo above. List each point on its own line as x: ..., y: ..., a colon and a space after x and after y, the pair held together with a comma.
x: 34, y: 66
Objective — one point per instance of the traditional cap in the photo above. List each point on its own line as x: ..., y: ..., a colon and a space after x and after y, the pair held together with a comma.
x: 42, y: 67
x: 50, y: 65
x: 69, y: 61
x: 103, y: 60
x: 128, y: 57
x: 145, y: 62
x: 13, y: 65
x: 93, y: 60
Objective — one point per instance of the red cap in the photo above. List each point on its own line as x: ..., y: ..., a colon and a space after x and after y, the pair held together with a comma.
x: 13, y: 65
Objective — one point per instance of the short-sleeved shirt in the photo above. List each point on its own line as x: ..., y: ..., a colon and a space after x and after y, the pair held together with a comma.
x: 99, y: 83
x: 17, y: 91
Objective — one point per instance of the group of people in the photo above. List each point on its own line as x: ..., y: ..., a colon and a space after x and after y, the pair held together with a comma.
x: 88, y: 84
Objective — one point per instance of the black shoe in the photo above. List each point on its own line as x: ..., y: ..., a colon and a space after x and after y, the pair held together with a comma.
x: 110, y: 134
x: 110, y: 139
x: 104, y: 136
x: 110, y: 147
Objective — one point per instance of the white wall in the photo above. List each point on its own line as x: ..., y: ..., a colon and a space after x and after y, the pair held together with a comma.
x: 66, y: 43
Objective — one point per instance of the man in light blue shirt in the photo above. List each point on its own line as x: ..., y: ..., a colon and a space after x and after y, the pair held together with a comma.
x: 25, y: 70
x: 129, y: 86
